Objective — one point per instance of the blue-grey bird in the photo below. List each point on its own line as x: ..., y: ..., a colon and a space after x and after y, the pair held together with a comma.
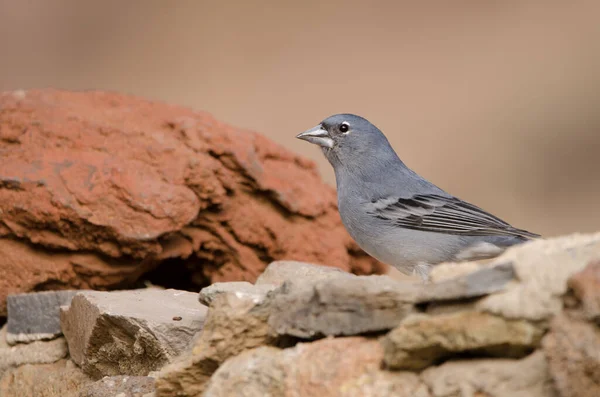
x: 394, y: 214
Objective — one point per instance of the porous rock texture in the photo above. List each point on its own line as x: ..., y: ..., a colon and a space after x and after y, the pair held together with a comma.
x: 130, y: 332
x: 98, y: 188
x: 522, y: 325
x: 454, y: 337
x: 119, y: 386
x: 59, y: 379
x: 37, y: 352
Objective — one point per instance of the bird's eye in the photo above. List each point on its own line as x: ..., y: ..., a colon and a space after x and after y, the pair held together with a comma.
x: 344, y: 127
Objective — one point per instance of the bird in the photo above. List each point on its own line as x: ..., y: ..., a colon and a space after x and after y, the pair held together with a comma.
x: 395, y: 215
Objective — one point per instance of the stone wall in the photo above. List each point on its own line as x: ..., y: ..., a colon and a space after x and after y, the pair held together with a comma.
x: 525, y: 324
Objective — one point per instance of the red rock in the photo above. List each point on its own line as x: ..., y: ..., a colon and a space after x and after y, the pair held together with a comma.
x: 98, y: 188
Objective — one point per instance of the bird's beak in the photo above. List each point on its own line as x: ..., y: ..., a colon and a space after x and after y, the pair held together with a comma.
x: 317, y: 135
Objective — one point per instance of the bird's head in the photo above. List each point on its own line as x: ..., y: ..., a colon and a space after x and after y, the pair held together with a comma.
x: 346, y: 138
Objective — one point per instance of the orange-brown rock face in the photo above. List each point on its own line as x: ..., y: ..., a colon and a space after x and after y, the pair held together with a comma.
x: 98, y: 188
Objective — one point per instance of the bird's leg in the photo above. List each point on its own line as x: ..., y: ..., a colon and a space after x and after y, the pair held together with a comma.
x: 422, y: 270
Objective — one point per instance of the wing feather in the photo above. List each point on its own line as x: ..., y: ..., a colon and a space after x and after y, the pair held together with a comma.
x: 450, y: 215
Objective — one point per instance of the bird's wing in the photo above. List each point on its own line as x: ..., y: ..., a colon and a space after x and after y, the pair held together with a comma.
x: 434, y: 213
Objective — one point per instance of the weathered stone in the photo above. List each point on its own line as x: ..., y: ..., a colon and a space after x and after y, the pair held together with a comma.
x: 130, y: 332
x: 450, y: 270
x: 340, y: 306
x: 586, y: 287
x: 483, y: 281
x: 328, y: 367
x: 542, y: 268
x: 93, y: 195
x: 208, y: 294
x: 280, y: 271
x: 572, y: 348
x: 39, y: 352
x: 422, y: 340
x: 35, y: 316
x: 184, y: 377
x: 527, y: 377
x: 256, y: 372
x: 59, y: 379
x: 119, y: 386
x: 384, y: 384
x: 234, y: 323
x: 3, y: 342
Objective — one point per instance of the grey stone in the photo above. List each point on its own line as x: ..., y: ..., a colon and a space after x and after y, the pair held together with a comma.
x: 481, y: 282
x: 340, y: 306
x: 301, y: 272
x: 130, y: 332
x: 35, y: 316
x: 241, y: 288
x: 38, y: 352
x: 121, y: 386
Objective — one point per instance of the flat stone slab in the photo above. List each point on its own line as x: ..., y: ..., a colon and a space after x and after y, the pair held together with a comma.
x: 35, y: 316
x: 240, y: 288
x: 280, y: 271
x: 130, y: 332
x: 481, y: 282
x: 421, y: 340
x: 340, y: 306
x: 37, y: 352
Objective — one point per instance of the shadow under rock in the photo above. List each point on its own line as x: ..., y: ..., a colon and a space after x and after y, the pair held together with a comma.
x: 176, y: 273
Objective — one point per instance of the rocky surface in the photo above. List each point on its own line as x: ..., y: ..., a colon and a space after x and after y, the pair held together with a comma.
x: 235, y: 323
x: 422, y: 340
x: 130, y: 332
x: 60, y: 379
x: 586, y: 288
x: 345, y: 305
x: 527, y: 377
x: 38, y: 352
x: 98, y: 188
x: 305, y: 329
x: 462, y: 338
x: 241, y: 289
x: 35, y: 316
x: 279, y: 272
x: 572, y: 346
x: 323, y: 368
x: 119, y: 386
x: 542, y: 271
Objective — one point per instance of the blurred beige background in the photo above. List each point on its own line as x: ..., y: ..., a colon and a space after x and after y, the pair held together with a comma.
x: 496, y: 102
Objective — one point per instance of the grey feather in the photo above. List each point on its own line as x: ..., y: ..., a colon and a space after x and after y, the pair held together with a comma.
x: 433, y: 213
x: 393, y: 213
